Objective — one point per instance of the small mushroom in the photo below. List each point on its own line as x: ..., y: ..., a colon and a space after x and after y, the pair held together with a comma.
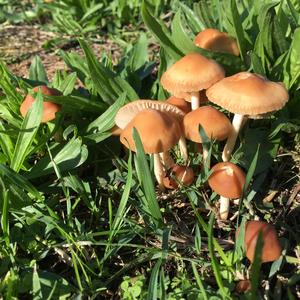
x: 50, y: 108
x: 179, y: 174
x: 215, y: 40
x: 271, y: 249
x: 159, y: 132
x: 246, y: 95
x: 227, y: 180
x: 130, y: 110
x: 215, y: 124
x: 191, y: 74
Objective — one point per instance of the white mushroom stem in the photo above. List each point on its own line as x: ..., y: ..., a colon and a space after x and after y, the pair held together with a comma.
x: 205, y: 152
x: 237, y: 123
x: 195, y: 100
x: 183, y: 149
x: 167, y: 160
x: 224, y: 208
x: 159, y: 171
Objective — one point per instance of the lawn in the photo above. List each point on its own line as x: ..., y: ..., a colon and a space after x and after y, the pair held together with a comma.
x: 83, y: 217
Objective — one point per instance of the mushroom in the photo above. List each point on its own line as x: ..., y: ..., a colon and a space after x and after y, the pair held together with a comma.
x: 130, y: 110
x: 50, y: 108
x: 271, y: 249
x: 215, y: 124
x: 180, y: 103
x: 159, y: 132
x: 191, y: 74
x: 227, y: 180
x: 215, y: 40
x: 179, y: 174
x: 246, y: 95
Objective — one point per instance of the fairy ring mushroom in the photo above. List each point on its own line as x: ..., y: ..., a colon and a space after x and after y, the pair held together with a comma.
x: 247, y: 95
x: 50, y: 108
x: 191, y: 74
x: 227, y: 180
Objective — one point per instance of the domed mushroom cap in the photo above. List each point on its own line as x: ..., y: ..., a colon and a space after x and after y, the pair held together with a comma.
x: 158, y: 131
x: 130, y: 110
x: 271, y: 248
x: 227, y: 180
x: 191, y: 73
x: 248, y: 94
x: 50, y: 108
x: 180, y: 103
x: 215, y: 124
x: 215, y: 40
x: 182, y: 174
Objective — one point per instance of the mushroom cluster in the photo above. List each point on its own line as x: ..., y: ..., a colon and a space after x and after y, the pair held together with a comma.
x: 195, y: 83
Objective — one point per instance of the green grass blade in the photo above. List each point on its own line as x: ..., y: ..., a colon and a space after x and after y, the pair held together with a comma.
x: 160, y: 33
x: 153, y: 283
x: 199, y: 282
x: 146, y: 181
x: 214, y: 262
x: 27, y: 133
x: 106, y: 121
x: 121, y: 212
x: 37, y: 71
x: 256, y: 267
x: 205, y: 228
x: 4, y: 213
x: 68, y: 157
x: 36, y: 285
x: 14, y: 178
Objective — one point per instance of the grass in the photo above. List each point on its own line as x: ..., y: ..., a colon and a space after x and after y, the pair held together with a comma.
x: 81, y: 217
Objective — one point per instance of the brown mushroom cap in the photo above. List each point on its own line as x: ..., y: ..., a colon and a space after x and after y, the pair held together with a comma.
x: 130, y: 110
x: 50, y: 108
x: 215, y: 124
x: 191, y: 73
x: 271, y: 248
x: 248, y: 94
x: 158, y: 131
x: 227, y: 180
x: 183, y: 174
x: 215, y: 40
x: 180, y: 103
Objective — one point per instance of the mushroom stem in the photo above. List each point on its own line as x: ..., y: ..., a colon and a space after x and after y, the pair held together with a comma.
x: 205, y: 155
x: 158, y: 171
x: 167, y: 160
x: 237, y: 123
x: 224, y: 208
x: 183, y: 149
x: 195, y: 100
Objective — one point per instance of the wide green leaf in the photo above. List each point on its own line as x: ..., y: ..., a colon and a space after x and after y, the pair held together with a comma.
x: 27, y: 133
x: 66, y: 158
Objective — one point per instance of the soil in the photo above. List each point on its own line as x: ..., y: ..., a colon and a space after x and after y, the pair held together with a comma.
x: 19, y: 44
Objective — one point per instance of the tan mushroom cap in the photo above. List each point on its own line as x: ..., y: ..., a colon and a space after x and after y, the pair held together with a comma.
x: 215, y: 40
x: 271, y: 249
x: 130, y: 110
x: 192, y: 73
x: 248, y: 94
x: 227, y: 180
x: 180, y: 103
x: 182, y: 174
x: 50, y: 108
x: 215, y: 124
x: 158, y: 131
